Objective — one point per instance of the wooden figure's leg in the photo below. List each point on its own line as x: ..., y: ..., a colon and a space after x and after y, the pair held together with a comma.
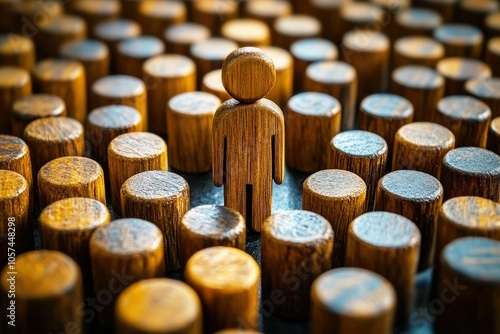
x: 235, y: 197
x: 261, y: 204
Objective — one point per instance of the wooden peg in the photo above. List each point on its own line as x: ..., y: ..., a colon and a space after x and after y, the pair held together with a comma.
x: 180, y: 37
x: 339, y: 205
x: 53, y: 137
x: 470, y: 265
x: 268, y: 10
x: 417, y: 50
x: 15, y: 83
x: 214, y: 13
x: 157, y: 16
x: 352, y: 300
x: 125, y: 160
x: 247, y: 32
x: 488, y: 91
x: 68, y: 177
x: 471, y: 171
x: 289, y: 29
x: 493, y: 143
x: 60, y: 30
x: 493, y: 55
x: 66, y: 79
x: 28, y: 17
x: 189, y: 119
x: 259, y: 123
x: 227, y: 281
x: 159, y: 305
x: 417, y: 22
x: 328, y: 11
x: 363, y: 153
x: 468, y: 119
x: 384, y: 114
x: 48, y: 293
x: 446, y: 8
x: 209, y: 226
x: 212, y: 83
x: 123, y: 252
x: 17, y: 51
x: 294, y: 242
x: 95, y: 12
x: 375, y: 237
x: 389, y: 9
x: 283, y: 64
x: 359, y: 15
x: 475, y: 12
x: 421, y: 146
x: 166, y: 76
x: 123, y: 90
x: 492, y: 25
x: 339, y: 80
x: 423, y: 86
x: 460, y: 40
x: 457, y: 71
x: 316, y: 116
x: 133, y: 53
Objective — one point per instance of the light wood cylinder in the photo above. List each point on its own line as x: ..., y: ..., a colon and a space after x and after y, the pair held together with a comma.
x: 59, y: 31
x: 486, y: 90
x: 247, y: 32
x: 494, y: 136
x: 214, y: 13
x: 492, y: 57
x: 417, y: 22
x: 133, y: 53
x: 289, y: 29
x: 17, y: 51
x: 15, y: 83
x: 417, y: 50
x: 212, y: 83
x: 157, y: 16
x: 179, y: 37
x: 268, y: 10
x: 460, y: 40
x: 283, y: 64
x: 457, y: 71
x: 96, y: 11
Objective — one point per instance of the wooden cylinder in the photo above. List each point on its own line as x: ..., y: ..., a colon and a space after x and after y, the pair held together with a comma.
x: 164, y: 208
x: 494, y: 136
x: 214, y: 13
x: 339, y: 205
x: 290, y: 248
x: 475, y: 12
x: 486, y: 90
x: 70, y: 177
x: 189, y: 119
x: 460, y: 40
x: 421, y: 146
x: 247, y: 32
x: 316, y: 117
x: 210, y: 226
x: 352, y: 300
x: 28, y: 17
x: 384, y: 114
x: 166, y: 76
x: 159, y: 305
x: 133, y: 53
x: 60, y: 30
x: 356, y: 15
x: 125, y: 160
x: 417, y: 22
x: 17, y: 51
x: 457, y: 71
x: 446, y: 8
x: 53, y: 137
x: 339, y: 80
x: 422, y: 86
x: 492, y: 25
x: 493, y: 56
x: 179, y: 37
x: 15, y: 83
x: 123, y: 252
x: 376, y: 239
x: 268, y: 10
x: 468, y: 119
x: 471, y: 171
x: 283, y: 64
x: 157, y: 16
x: 95, y: 12
x: 289, y: 29
x: 363, y: 153
x: 227, y: 281
x: 66, y: 79
x: 387, y: 21
x: 417, y: 50
x: 48, y: 293
x: 212, y: 83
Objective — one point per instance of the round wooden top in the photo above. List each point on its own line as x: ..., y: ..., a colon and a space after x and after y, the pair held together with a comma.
x: 222, y: 268
x: 412, y: 185
x: 216, y: 7
x: 335, y: 184
x: 142, y: 47
x: 425, y: 135
x: 361, y: 12
x: 117, y: 30
x: 53, y: 129
x: 69, y: 25
x: 419, y: 47
x: 38, y: 106
x: 14, y: 44
x: 12, y: 148
x: 462, y: 107
x: 492, y: 21
x: 194, y: 103
x: 125, y: 146
x: 281, y: 58
x: 495, y: 125
x: 331, y: 72
x: 187, y: 33
x: 463, y: 68
x: 494, y: 45
x: 11, y: 77
x: 159, y: 185
x: 488, y: 88
x: 388, y: 106
x: 245, y: 63
x: 360, y: 143
x: 484, y: 6
x: 116, y: 86
x: 43, y: 274
x: 473, y: 160
x: 314, y: 49
x: 214, y: 220
x: 474, y: 258
x: 162, y: 9
x: 114, y: 117
x: 74, y: 215
x: 385, y: 230
x: 97, y: 7
x: 158, y: 305
x: 472, y: 212
x: 354, y: 292
x: 419, y: 18
x: 366, y: 41
x: 86, y: 50
x: 458, y: 34
x: 246, y: 31
x: 298, y: 227
x: 58, y: 70
x: 314, y: 104
x: 418, y: 77
x: 70, y: 171
x: 213, y: 49
x: 169, y: 66
x: 12, y: 185
x: 213, y: 80
x: 268, y: 8
x: 297, y: 25
x: 126, y: 237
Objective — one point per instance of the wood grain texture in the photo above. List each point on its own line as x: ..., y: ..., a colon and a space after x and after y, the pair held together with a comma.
x: 179, y: 37
x: 289, y: 29
x: 471, y: 171
x: 456, y: 71
x: 213, y: 13
x: 159, y: 305
x: 247, y: 32
x: 15, y: 82
x: 209, y: 226
x: 460, y: 40
x: 123, y: 252
x: 227, y: 281
x: 212, y: 83
x: 492, y: 57
x: 417, y: 22
x: 283, y: 64
x: 389, y: 245
x: 296, y: 248
x: 125, y: 159
x: 95, y: 12
x: 352, y: 300
x: 486, y: 90
x: 48, y: 293
x: 339, y: 196
x: 17, y: 50
x: 268, y: 10
x: 133, y: 53
x: 417, y: 50
x: 494, y: 136
x: 421, y: 146
x: 157, y: 16
x: 59, y: 30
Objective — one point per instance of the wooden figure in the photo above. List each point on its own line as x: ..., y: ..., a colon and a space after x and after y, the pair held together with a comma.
x: 60, y: 30
x: 133, y: 53
x: 268, y: 10
x: 159, y: 305
x: 417, y: 50
x: 17, y: 51
x: 494, y: 136
x: 486, y: 90
x: 179, y: 37
x: 417, y: 22
x: 460, y: 40
x: 352, y: 300
x: 359, y: 15
x: 15, y: 82
x: 247, y: 32
x: 212, y: 83
x: 283, y: 64
x: 493, y: 56
x: 96, y: 11
x: 214, y: 13
x: 289, y: 29
x: 248, y: 136
x: 157, y: 16
x: 457, y: 71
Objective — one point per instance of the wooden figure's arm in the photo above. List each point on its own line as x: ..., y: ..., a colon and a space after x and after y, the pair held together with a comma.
x: 278, y: 142
x: 219, y: 143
